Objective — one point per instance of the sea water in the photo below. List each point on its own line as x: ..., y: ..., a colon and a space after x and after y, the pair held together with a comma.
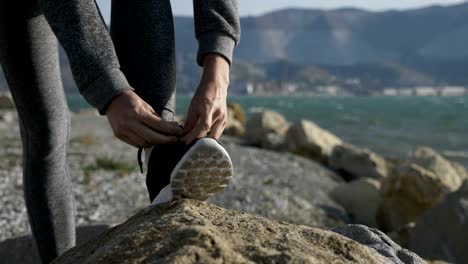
x: 390, y: 126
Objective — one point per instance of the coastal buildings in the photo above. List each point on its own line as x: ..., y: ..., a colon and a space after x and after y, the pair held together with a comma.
x: 302, y: 88
x: 426, y: 91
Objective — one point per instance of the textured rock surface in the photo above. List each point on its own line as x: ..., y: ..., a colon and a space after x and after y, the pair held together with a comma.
x: 358, y: 163
x: 309, y: 140
x: 266, y: 129
x: 237, y: 112
x: 281, y: 186
x: 381, y: 243
x: 360, y: 198
x: 6, y: 101
x: 7, y: 117
x: 22, y: 249
x: 408, y: 193
x: 196, y: 232
x: 449, y: 173
x: 461, y: 171
x: 234, y: 126
x: 442, y: 232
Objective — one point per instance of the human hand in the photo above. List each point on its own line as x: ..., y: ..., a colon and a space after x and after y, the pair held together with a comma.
x: 136, y: 123
x: 207, y: 113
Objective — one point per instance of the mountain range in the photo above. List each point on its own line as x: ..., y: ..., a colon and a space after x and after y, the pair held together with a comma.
x: 395, y: 48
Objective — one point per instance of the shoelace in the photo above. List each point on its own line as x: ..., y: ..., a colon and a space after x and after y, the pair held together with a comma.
x: 140, y: 161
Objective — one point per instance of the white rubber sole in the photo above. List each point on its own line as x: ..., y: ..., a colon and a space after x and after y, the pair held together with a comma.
x: 203, y: 171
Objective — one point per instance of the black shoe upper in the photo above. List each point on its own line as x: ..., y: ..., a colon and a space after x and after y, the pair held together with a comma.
x: 162, y: 162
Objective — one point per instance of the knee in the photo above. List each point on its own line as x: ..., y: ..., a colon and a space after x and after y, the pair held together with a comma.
x: 46, y: 136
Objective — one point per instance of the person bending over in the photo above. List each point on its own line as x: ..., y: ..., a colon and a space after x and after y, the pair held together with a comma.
x: 127, y: 74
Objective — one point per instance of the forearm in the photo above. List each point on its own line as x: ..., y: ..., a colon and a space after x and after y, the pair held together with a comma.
x: 217, y: 27
x: 215, y: 71
x: 80, y: 29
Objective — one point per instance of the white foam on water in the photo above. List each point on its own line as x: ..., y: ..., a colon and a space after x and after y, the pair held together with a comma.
x: 456, y: 153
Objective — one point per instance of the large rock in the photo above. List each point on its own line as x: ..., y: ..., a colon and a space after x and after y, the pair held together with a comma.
x: 450, y: 173
x: 408, y: 193
x: 236, y: 121
x: 461, y: 170
x: 6, y: 101
x: 358, y: 163
x: 308, y: 139
x: 442, y: 232
x: 377, y: 240
x: 266, y: 129
x: 7, y: 117
x: 237, y: 112
x: 197, y: 232
x: 281, y: 186
x: 360, y: 198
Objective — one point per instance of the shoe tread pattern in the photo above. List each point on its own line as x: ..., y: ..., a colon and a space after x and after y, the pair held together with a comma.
x: 206, y: 171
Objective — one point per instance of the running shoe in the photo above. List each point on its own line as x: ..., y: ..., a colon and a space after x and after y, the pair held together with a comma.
x: 194, y: 171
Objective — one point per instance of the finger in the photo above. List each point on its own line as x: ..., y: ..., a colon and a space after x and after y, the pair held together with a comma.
x: 203, y: 124
x: 200, y: 130
x: 189, y: 136
x: 217, y: 129
x: 207, y: 121
x: 160, y: 125
x: 152, y: 137
x: 190, y: 122
x: 128, y: 141
x: 136, y: 140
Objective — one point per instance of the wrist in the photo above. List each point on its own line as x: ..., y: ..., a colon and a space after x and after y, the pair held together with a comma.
x: 216, y: 69
x: 123, y: 96
x: 211, y: 59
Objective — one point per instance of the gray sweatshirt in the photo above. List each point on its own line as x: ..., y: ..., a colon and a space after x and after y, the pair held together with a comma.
x: 80, y: 29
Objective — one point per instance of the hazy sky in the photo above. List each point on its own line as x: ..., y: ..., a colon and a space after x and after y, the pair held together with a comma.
x: 254, y: 7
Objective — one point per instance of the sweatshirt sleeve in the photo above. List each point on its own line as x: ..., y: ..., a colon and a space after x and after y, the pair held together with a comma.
x: 217, y: 27
x: 82, y: 32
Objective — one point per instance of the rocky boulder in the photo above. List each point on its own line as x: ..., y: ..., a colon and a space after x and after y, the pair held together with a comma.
x: 451, y: 174
x: 377, y: 240
x: 461, y: 171
x: 308, y: 139
x: 360, y: 198
x: 266, y: 129
x: 237, y: 112
x: 6, y: 101
x: 407, y: 193
x: 355, y: 163
x: 7, y: 117
x: 236, y: 120
x: 281, y: 186
x: 442, y: 232
x: 196, y: 232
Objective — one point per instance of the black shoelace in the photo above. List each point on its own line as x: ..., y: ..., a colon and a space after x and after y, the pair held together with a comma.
x: 140, y: 161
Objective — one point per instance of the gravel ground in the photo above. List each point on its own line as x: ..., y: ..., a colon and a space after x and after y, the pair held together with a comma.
x: 107, y: 185
x: 281, y: 186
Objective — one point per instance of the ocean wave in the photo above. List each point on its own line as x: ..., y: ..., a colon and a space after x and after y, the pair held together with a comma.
x: 456, y: 154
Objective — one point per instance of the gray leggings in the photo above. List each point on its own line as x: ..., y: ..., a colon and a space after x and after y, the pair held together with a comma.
x: 29, y: 58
